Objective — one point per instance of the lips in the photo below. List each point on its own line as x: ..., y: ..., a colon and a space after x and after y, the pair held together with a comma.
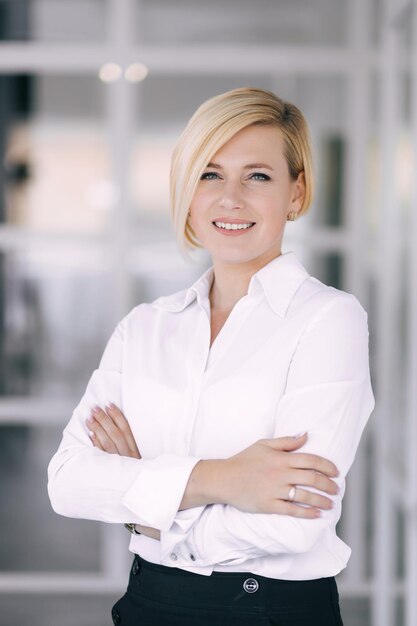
x: 232, y: 226
x: 228, y: 226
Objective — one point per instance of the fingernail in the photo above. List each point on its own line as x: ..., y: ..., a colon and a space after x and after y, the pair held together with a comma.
x: 90, y: 434
x: 96, y: 409
x: 317, y: 514
x: 90, y: 420
x: 111, y: 405
x: 299, y: 435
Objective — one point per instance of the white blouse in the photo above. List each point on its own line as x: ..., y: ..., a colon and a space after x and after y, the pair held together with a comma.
x: 292, y: 356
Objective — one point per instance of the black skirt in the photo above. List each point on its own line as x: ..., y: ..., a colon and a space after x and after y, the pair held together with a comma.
x: 168, y: 596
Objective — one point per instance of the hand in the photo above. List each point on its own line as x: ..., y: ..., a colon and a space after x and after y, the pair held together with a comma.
x: 110, y: 431
x: 259, y: 478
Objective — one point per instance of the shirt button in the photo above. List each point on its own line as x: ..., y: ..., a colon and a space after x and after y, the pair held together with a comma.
x: 135, y: 568
x: 192, y: 557
x: 251, y: 585
x: 116, y: 617
x: 173, y: 556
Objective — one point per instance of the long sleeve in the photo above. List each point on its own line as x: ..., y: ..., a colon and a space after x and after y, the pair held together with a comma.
x: 88, y: 483
x: 328, y: 393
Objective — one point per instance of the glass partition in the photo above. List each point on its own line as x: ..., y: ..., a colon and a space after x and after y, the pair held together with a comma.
x: 224, y: 22
x: 56, y: 175
x: 53, y: 20
x: 33, y: 537
x: 55, y: 319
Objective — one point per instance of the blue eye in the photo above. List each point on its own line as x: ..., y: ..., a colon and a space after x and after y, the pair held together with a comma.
x: 214, y: 175
x: 263, y: 176
x: 206, y: 174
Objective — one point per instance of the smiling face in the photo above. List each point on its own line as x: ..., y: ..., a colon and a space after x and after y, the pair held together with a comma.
x: 247, y: 182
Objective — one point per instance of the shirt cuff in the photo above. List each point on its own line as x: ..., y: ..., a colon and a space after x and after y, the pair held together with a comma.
x: 158, y: 490
x: 171, y: 541
x: 177, y: 547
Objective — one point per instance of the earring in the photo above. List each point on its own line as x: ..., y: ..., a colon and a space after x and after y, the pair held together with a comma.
x: 292, y: 215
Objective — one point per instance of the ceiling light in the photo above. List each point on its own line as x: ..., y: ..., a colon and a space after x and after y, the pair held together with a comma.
x: 136, y: 72
x: 110, y: 72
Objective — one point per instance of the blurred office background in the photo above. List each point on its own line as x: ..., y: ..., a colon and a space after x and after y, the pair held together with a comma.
x: 93, y: 94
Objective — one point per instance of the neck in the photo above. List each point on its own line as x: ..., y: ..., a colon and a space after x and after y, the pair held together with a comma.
x: 231, y: 281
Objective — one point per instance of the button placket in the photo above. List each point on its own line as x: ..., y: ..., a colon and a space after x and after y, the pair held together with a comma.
x: 230, y: 328
x: 196, y: 371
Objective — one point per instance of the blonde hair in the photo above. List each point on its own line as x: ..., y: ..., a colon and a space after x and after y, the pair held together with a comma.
x: 215, y: 122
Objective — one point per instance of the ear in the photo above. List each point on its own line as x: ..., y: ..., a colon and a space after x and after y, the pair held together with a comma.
x: 299, y: 192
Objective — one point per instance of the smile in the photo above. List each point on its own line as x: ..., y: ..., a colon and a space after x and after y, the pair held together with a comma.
x: 229, y: 226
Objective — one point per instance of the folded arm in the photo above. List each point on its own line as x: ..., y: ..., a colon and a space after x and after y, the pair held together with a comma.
x: 87, y: 482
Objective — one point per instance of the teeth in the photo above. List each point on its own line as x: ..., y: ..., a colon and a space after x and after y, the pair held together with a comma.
x: 229, y: 226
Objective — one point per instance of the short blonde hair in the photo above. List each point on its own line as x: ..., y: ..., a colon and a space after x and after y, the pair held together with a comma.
x: 215, y: 122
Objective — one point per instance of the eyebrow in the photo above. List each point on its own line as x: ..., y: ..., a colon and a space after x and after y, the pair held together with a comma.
x: 247, y: 167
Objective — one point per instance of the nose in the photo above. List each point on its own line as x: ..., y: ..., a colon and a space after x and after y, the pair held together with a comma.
x: 232, y: 195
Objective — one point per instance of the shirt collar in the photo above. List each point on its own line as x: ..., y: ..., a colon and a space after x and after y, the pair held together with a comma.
x: 279, y: 280
x: 181, y: 299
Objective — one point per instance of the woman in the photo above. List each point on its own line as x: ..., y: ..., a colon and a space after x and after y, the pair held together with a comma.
x: 223, y: 419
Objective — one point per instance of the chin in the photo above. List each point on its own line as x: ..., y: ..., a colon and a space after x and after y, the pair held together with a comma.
x: 232, y: 256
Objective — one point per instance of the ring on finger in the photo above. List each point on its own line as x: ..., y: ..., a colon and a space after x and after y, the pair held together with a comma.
x: 291, y: 494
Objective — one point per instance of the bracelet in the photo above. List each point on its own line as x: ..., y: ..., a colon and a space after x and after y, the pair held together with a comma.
x: 132, y: 529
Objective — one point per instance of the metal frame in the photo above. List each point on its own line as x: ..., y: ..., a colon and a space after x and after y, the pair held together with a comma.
x: 386, y: 271
x: 411, y: 387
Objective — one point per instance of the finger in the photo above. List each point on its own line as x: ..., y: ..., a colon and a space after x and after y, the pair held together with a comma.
x: 295, y: 510
x: 124, y: 426
x: 101, y: 436
x: 94, y: 440
x: 286, y: 443
x: 112, y: 431
x: 314, y: 461
x: 312, y: 499
x: 310, y: 478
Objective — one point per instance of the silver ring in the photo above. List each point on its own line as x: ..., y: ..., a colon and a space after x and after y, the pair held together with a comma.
x: 291, y: 494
